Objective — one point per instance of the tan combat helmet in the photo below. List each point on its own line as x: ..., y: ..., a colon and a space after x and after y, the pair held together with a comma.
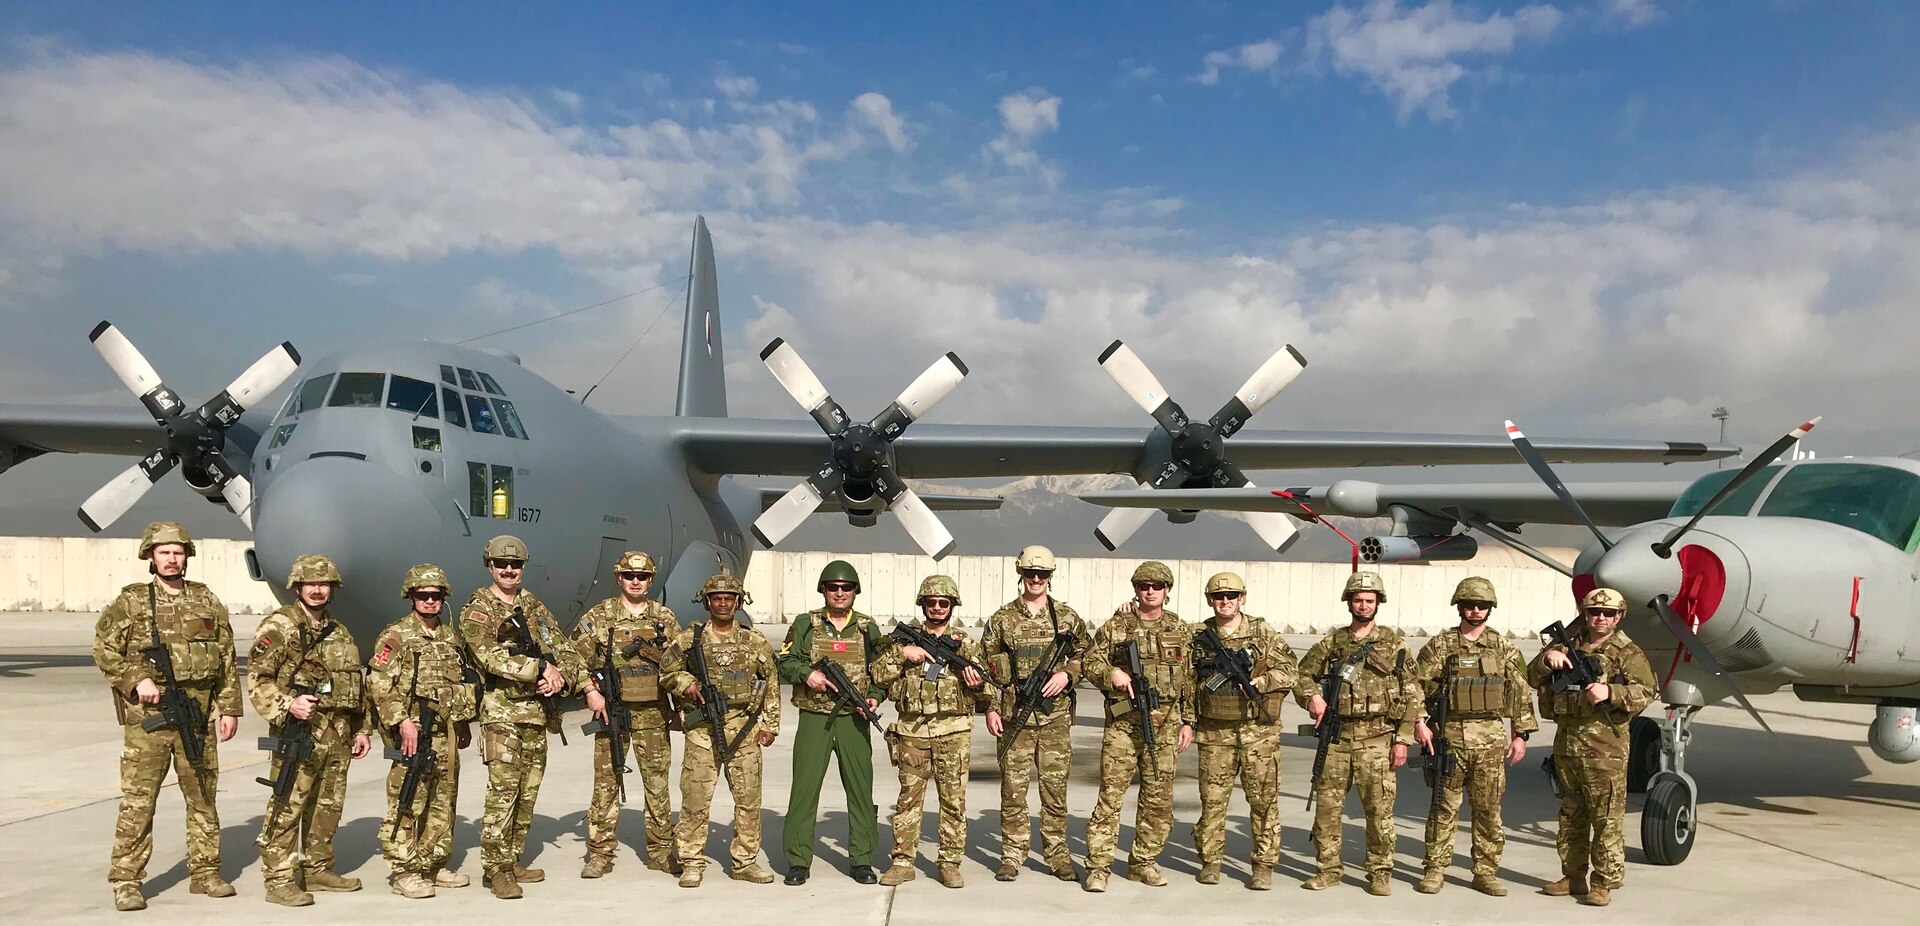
x: 506, y: 547
x: 1364, y: 582
x: 312, y: 567
x: 425, y: 575
x: 723, y: 583
x: 1226, y: 582
x: 1474, y: 588
x: 938, y: 587
x: 160, y: 532
x: 1153, y: 570
x: 1604, y: 598
x: 1035, y: 557
x: 634, y: 561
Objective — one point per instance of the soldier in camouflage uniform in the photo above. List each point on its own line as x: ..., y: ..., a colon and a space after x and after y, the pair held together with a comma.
x: 305, y: 666
x: 1590, y: 747
x: 1484, y: 681
x: 1238, y: 736
x: 514, y: 721
x: 932, y: 738
x: 849, y: 638
x: 418, y: 661
x: 1019, y: 639
x: 740, y: 663
x: 193, y: 626
x: 639, y: 630
x: 1165, y: 643
x: 1378, y: 706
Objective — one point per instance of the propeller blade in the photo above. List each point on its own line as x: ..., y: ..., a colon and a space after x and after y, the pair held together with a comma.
x: 112, y: 500
x: 1142, y: 386
x: 798, y: 379
x: 133, y: 369
x: 238, y: 493
x: 256, y: 383
x: 920, y: 395
x: 1765, y: 459
x: 922, y: 523
x: 774, y: 524
x: 1276, y: 528
x: 1697, y: 648
x: 1259, y: 389
x: 1120, y: 523
x: 1545, y: 472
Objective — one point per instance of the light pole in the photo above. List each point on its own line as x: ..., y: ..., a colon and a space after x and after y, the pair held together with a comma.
x: 1721, y: 414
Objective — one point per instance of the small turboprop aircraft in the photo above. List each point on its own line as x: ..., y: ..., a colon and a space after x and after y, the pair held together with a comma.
x: 383, y: 455
x: 1797, y: 574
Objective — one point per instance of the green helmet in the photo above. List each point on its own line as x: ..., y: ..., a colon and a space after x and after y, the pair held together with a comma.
x: 160, y: 532
x: 312, y: 567
x: 634, y: 561
x: 838, y: 571
x: 723, y: 583
x: 938, y: 587
x: 507, y: 547
x: 425, y: 575
x: 1365, y: 582
x: 1474, y: 588
x: 1153, y: 570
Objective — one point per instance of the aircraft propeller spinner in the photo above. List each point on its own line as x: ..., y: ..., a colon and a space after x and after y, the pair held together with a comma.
x: 195, y: 438
x: 860, y: 466
x: 1199, y: 447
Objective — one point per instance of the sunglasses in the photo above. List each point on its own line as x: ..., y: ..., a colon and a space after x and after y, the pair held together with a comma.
x: 1149, y: 586
x: 1035, y: 574
x: 428, y: 596
x: 506, y: 564
x: 1475, y: 606
x: 839, y: 586
x: 1603, y: 612
x: 1223, y: 596
x: 633, y: 576
x: 937, y: 604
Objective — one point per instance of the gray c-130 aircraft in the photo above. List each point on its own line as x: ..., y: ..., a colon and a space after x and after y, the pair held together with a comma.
x: 383, y: 455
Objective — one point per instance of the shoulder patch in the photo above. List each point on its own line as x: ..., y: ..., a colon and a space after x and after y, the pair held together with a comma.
x: 384, y: 656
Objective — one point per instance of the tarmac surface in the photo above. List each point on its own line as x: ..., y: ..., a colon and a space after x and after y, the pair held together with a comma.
x: 1806, y: 825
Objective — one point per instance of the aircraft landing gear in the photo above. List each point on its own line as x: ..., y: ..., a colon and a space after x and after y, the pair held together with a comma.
x: 1643, y: 754
x: 1669, y: 819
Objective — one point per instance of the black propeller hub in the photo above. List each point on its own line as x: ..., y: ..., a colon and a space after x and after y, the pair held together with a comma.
x: 858, y: 452
x: 1200, y: 450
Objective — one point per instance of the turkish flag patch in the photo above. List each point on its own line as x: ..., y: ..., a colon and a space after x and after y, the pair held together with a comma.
x: 839, y: 646
x: 386, y: 653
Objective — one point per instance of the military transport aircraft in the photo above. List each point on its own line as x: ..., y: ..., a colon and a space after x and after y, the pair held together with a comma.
x: 1800, y: 573
x: 383, y: 455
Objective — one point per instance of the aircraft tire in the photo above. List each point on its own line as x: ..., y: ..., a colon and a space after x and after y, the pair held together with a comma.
x: 1643, y: 753
x: 1666, y: 824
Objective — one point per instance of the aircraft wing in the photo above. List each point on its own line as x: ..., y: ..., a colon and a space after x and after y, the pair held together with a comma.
x: 1610, y: 503
x: 110, y: 429
x: 774, y: 447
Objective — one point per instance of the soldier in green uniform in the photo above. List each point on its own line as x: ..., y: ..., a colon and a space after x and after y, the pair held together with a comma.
x: 193, y: 626
x: 1019, y: 639
x: 849, y: 638
x: 514, y: 719
x: 1378, y: 706
x: 304, y: 665
x: 740, y: 662
x: 1165, y: 643
x: 1239, y: 736
x: 419, y: 662
x: 1590, y: 747
x: 1483, y: 678
x: 932, y: 738
x: 638, y: 630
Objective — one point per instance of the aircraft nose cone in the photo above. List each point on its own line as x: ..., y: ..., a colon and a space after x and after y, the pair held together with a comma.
x: 1634, y: 570
x: 366, y: 518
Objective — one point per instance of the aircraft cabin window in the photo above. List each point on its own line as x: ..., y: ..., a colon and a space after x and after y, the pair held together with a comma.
x: 455, y: 416
x: 477, y: 504
x: 1878, y: 501
x: 358, y: 390
x: 426, y: 439
x: 313, y: 392
x: 467, y: 381
x: 509, y: 419
x: 481, y: 415
x: 413, y: 397
x: 487, y: 383
x: 1739, y: 503
x: 502, y: 491
x: 446, y: 375
x: 281, y: 435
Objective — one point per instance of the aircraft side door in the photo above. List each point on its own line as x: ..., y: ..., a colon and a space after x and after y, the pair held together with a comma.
x: 601, y: 585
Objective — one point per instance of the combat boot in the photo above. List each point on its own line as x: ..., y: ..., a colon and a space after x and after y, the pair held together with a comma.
x: 1096, y: 882
x: 127, y: 897
x: 444, y: 878
x: 501, y: 881
x: 1262, y: 879
x: 667, y: 863
x: 287, y: 895
x: 1063, y: 870
x: 1321, y: 881
x: 1433, y: 881
x: 690, y: 876
x: 752, y: 874
x: 412, y: 886
x: 597, y: 866
x: 1597, y: 897
x: 525, y: 875
x: 1489, y: 885
x: 1147, y: 874
x: 1380, y: 884
x: 1009, y: 870
x: 901, y: 872
x: 1209, y: 873
x: 328, y: 881
x: 211, y: 885
x: 949, y: 876
x: 1565, y: 886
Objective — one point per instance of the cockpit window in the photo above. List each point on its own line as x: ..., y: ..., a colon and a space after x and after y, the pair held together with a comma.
x: 446, y: 375
x: 487, y: 383
x: 1739, y: 503
x: 358, y: 390
x: 313, y: 392
x: 281, y: 435
x: 467, y: 381
x: 414, y: 397
x: 1879, y: 501
x: 481, y: 415
x: 509, y: 419
x: 455, y: 416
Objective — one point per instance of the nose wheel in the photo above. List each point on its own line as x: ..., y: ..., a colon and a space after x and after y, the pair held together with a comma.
x: 1668, y: 820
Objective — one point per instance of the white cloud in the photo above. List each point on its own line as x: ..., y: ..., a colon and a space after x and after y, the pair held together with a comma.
x: 734, y: 87
x: 1634, y: 12
x: 1024, y: 117
x: 878, y: 111
x: 1410, y: 56
x: 1256, y: 58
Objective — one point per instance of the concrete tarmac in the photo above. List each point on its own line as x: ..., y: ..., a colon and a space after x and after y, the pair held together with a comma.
x: 1806, y: 825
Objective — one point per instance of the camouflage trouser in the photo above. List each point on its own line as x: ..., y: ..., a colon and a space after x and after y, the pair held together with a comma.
x: 431, y: 813
x: 653, y: 753
x: 516, y: 758
x: 313, y: 806
x: 942, y: 759
x: 1480, y: 774
x: 1366, y: 766
x: 1255, y: 760
x: 1122, y: 752
x: 144, y: 758
x: 1048, y: 748
x: 699, y: 774
x: 1593, y: 819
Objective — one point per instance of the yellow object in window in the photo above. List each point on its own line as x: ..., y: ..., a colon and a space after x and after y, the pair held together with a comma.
x: 500, y: 502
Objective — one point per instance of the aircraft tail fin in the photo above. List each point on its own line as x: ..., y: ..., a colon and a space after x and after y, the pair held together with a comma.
x: 703, y: 382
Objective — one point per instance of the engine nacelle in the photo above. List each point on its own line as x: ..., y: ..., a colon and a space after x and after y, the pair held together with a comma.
x: 1895, y: 734
x: 1418, y: 549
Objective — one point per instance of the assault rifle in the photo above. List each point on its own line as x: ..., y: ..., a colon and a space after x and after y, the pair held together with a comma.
x: 1327, y: 729
x: 943, y: 652
x: 1030, y: 698
x: 713, y: 701
x: 619, y: 719
x: 1439, y: 760
x: 1228, y: 666
x: 294, y: 746
x: 1585, y: 669
x: 1145, y: 699
x: 177, y: 708
x: 844, y: 693
x: 529, y: 647
x: 423, y: 760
